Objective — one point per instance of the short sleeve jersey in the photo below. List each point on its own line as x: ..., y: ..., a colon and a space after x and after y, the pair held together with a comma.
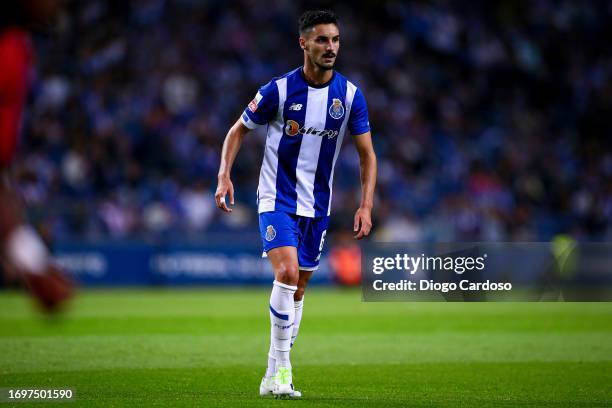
x: 306, y: 125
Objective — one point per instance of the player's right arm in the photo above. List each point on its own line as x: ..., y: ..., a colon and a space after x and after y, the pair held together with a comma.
x: 261, y: 110
x: 231, y: 146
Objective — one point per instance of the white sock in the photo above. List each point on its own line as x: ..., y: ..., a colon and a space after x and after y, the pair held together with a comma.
x: 271, y: 370
x: 298, y: 306
x: 26, y: 250
x: 282, y: 315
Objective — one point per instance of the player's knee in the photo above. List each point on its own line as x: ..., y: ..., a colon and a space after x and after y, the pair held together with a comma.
x: 288, y: 274
x: 299, y: 293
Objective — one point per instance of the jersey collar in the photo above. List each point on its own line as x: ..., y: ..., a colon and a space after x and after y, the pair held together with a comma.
x: 317, y: 86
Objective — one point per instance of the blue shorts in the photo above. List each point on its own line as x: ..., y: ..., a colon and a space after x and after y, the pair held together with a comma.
x: 306, y: 234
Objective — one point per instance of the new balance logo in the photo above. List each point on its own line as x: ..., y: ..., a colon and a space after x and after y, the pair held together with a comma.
x: 295, y: 107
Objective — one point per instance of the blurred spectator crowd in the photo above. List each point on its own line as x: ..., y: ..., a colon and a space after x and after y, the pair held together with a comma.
x: 491, y: 120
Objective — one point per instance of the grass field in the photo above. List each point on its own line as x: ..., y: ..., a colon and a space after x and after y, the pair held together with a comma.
x: 208, y: 348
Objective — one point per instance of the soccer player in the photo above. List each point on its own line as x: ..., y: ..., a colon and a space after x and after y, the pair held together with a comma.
x: 21, y: 249
x: 307, y: 111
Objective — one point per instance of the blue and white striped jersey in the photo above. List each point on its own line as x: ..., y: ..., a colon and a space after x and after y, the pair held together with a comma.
x: 306, y: 125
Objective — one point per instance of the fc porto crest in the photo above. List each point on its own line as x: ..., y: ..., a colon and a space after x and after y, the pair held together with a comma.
x: 336, y: 110
x: 270, y: 233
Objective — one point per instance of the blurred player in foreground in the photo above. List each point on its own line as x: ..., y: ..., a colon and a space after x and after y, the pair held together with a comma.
x: 21, y: 249
x: 308, y: 111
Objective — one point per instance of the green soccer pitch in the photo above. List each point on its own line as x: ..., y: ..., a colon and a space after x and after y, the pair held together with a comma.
x: 207, y: 347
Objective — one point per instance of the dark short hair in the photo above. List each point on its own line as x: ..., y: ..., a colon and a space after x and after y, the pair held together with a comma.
x: 311, y: 18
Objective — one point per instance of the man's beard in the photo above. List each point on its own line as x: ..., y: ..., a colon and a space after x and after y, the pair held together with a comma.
x: 325, y: 67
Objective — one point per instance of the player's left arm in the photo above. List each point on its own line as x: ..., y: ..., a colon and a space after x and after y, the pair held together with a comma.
x: 367, y: 164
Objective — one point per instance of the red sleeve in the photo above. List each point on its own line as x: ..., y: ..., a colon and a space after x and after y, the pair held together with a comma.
x: 14, y: 71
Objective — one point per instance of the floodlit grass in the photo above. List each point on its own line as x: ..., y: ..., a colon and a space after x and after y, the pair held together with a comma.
x: 208, y: 347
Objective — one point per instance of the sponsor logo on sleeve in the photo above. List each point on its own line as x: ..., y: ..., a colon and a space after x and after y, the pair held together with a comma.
x: 254, y: 103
